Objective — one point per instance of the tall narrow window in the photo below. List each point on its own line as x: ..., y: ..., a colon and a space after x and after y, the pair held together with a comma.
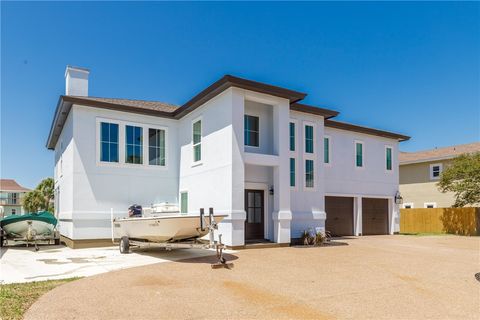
x: 359, y: 154
x: 156, y: 147
x: 108, y: 142
x: 308, y: 139
x: 133, y: 144
x: 388, y: 158
x: 251, y: 131
x: 184, y: 202
x: 292, y: 172
x: 292, y: 136
x: 309, y: 174
x: 197, y: 141
x: 326, y: 150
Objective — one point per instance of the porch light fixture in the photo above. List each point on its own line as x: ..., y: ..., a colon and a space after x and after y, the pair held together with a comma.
x: 271, y: 190
x: 398, y: 198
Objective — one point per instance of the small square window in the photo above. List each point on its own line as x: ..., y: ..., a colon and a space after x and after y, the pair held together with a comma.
x: 435, y: 171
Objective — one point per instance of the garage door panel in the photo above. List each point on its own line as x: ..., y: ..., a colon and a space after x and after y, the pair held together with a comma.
x: 339, y: 215
x: 374, y: 216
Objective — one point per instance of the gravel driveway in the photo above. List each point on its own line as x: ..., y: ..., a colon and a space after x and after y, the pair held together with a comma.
x: 375, y: 277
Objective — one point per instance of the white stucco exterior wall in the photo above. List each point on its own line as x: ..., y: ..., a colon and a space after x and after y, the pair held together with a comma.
x: 98, y: 187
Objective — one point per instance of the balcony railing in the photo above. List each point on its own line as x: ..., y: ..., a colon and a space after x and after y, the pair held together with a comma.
x: 10, y: 201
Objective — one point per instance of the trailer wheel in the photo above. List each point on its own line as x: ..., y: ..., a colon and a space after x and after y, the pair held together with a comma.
x: 1, y: 241
x: 57, y: 241
x: 124, y: 245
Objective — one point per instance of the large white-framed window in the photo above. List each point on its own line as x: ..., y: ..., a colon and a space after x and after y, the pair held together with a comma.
x: 184, y: 202
x: 388, y: 158
x: 135, y: 144
x: 435, y: 171
x: 109, y: 142
x: 309, y: 174
x: 408, y: 205
x: 197, y: 140
x: 293, y: 134
x: 251, y: 130
x: 327, y: 150
x: 309, y: 137
x: 293, y: 173
x: 156, y: 147
x: 359, y: 152
x: 430, y: 205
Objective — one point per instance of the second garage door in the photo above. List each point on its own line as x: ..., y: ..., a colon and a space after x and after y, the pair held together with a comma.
x: 339, y: 215
x: 374, y: 216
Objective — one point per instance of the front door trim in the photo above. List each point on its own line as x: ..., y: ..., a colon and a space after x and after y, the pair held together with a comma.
x: 266, y: 194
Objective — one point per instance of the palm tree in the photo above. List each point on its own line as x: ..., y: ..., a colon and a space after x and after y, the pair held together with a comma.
x: 41, y: 198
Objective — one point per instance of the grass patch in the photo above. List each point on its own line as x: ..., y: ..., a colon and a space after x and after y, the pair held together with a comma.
x: 16, y: 298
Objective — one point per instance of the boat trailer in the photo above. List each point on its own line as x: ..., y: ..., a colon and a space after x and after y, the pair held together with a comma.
x: 126, y: 242
x: 30, y: 237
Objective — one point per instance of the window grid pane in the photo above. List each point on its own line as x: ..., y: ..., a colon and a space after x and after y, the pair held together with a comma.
x: 184, y: 202
x: 359, y: 155
x: 251, y: 131
x: 292, y: 136
x: 108, y: 142
x: 326, y: 150
x: 156, y: 147
x: 134, y: 145
x: 308, y: 139
x: 389, y: 158
x: 309, y: 174
x: 197, y: 141
x: 292, y: 172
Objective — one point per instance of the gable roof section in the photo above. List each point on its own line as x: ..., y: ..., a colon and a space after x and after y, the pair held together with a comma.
x: 438, y: 154
x: 365, y: 130
x: 166, y: 110
x: 228, y: 81
x: 161, y: 109
x: 11, y: 185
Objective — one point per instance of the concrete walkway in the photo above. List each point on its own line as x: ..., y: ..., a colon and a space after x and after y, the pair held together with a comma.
x: 21, y: 264
x: 378, y: 277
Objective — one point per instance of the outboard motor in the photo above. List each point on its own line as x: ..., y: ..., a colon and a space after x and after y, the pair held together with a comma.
x: 135, y: 210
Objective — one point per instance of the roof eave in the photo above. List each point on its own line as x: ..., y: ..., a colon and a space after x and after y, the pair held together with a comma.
x: 326, y: 113
x: 365, y: 130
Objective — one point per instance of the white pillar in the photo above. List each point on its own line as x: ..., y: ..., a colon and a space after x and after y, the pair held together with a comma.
x: 232, y: 227
x: 357, y: 217
x: 393, y: 217
x: 281, y: 199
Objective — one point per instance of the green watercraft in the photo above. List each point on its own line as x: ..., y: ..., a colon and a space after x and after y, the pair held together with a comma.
x: 29, y: 226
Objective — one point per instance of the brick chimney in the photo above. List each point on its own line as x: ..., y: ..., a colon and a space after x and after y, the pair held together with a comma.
x: 76, y: 81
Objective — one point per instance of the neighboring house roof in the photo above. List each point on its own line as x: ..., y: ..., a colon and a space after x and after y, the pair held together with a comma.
x: 11, y: 185
x: 438, y: 153
x: 167, y: 110
x: 365, y: 130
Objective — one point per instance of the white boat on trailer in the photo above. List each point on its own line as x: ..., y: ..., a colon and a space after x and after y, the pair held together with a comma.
x: 164, y: 226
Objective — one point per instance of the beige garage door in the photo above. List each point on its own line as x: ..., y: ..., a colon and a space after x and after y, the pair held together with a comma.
x: 374, y: 216
x: 339, y: 215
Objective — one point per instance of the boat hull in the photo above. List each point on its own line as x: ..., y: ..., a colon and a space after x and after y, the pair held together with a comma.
x: 162, y: 228
x: 19, y: 229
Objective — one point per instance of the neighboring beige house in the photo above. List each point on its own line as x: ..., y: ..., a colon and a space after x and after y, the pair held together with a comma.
x: 11, y: 194
x: 420, y: 172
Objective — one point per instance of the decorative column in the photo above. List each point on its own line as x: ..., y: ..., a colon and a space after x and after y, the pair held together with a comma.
x: 357, y: 216
x: 281, y: 173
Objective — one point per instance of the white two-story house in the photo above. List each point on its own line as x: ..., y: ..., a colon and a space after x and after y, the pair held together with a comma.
x: 247, y: 149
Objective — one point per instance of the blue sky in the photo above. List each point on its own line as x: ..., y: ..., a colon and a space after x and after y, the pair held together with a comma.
x: 411, y: 68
